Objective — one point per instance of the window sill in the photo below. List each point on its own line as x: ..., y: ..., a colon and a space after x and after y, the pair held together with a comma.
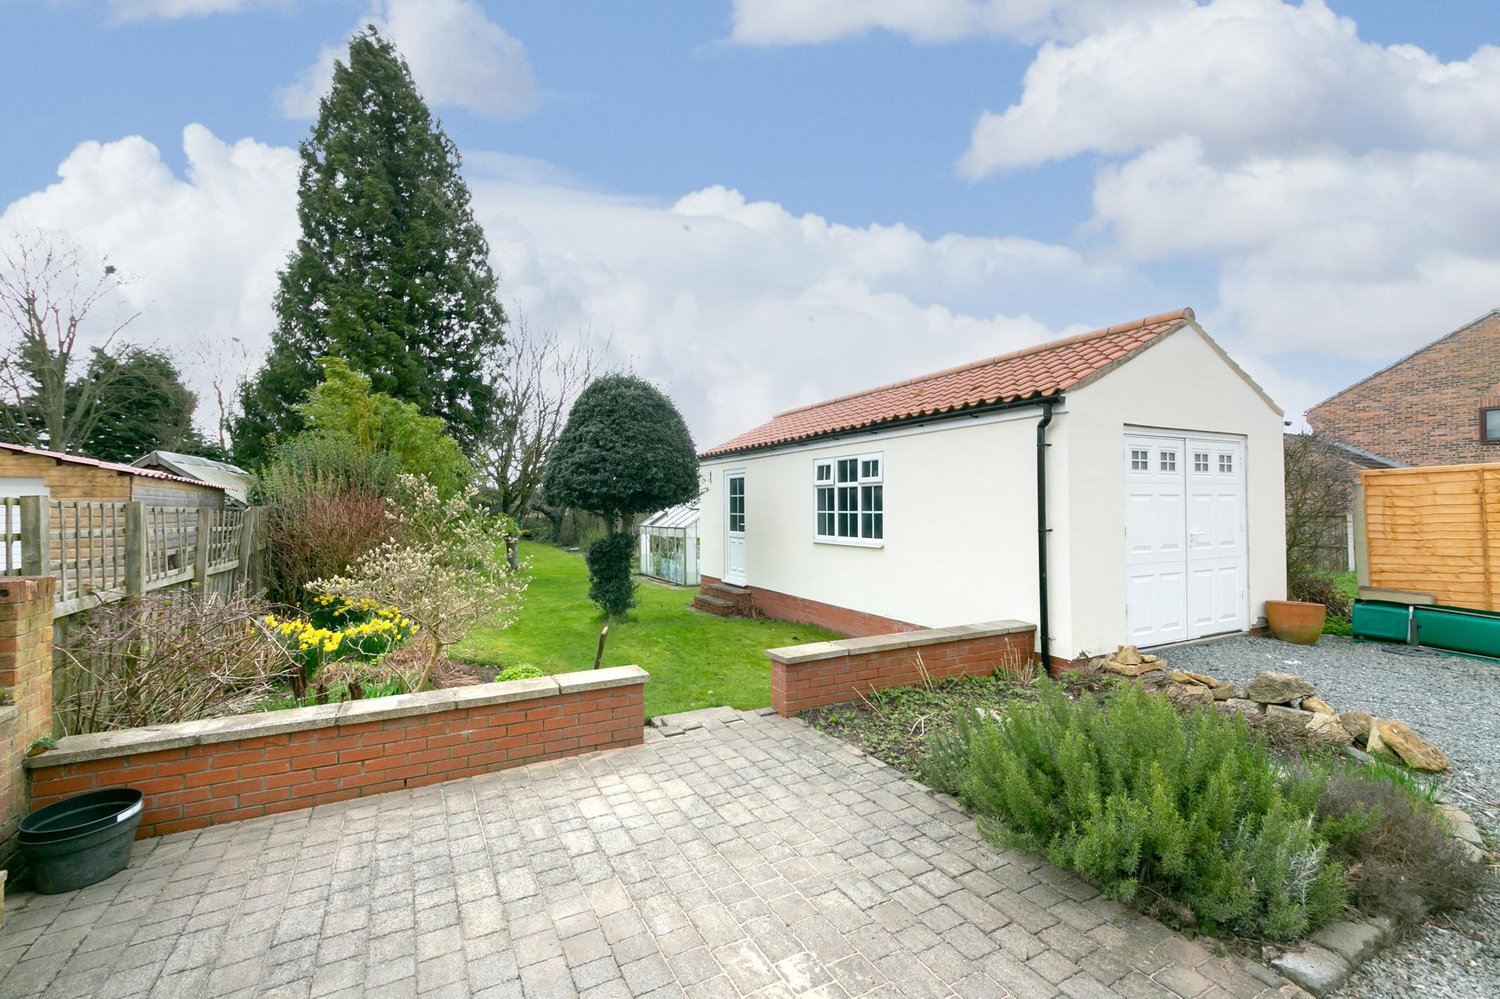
x: 849, y: 542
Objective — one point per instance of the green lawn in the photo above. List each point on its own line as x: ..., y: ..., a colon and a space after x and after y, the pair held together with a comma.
x: 695, y: 660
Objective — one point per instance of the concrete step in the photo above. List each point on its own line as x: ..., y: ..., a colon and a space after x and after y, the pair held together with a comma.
x: 730, y: 588
x: 713, y: 605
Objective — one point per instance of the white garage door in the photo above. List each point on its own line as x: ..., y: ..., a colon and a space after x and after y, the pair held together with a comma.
x: 1185, y: 554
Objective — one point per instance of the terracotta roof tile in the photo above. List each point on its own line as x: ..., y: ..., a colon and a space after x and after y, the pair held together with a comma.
x: 1047, y: 369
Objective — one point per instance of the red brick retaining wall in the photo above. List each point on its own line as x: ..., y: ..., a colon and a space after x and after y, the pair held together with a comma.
x: 786, y: 607
x: 808, y: 676
x: 197, y: 774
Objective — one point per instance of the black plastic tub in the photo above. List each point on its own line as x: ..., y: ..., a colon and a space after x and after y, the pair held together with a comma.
x: 82, y: 840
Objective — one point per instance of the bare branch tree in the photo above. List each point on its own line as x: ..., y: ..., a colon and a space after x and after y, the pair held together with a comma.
x: 49, y: 289
x: 541, y: 378
x: 1318, y: 496
x: 226, y: 364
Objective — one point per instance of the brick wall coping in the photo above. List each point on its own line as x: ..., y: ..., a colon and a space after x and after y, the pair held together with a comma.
x: 815, y: 651
x: 131, y: 741
x: 8, y: 714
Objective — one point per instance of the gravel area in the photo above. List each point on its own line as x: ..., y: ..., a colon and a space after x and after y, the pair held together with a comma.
x: 1454, y: 702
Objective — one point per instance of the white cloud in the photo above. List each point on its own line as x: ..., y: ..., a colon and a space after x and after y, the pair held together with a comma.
x: 458, y: 57
x: 741, y: 308
x: 805, y: 22
x: 738, y: 308
x: 1238, y: 75
x: 170, y: 10
x: 199, y: 252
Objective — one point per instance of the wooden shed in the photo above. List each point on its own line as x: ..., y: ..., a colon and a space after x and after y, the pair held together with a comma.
x: 27, y: 471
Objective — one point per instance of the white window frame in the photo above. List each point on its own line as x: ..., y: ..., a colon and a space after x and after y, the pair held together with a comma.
x: 830, y: 481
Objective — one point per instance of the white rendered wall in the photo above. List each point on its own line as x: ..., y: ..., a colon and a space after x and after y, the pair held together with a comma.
x: 960, y: 505
x: 960, y: 527
x: 1179, y: 383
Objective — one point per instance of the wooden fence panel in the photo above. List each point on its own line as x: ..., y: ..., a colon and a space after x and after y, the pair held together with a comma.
x: 1434, y: 530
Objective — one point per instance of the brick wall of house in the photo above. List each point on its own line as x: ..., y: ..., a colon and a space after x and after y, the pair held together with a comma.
x: 26, y: 682
x: 843, y: 620
x: 204, y: 773
x: 819, y: 673
x: 1424, y: 410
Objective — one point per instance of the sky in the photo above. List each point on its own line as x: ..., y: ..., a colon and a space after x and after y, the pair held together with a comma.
x: 758, y: 204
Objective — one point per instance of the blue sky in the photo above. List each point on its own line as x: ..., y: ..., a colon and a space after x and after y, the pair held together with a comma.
x: 759, y: 203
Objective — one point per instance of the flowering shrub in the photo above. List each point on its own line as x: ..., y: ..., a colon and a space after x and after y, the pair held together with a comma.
x: 444, y: 566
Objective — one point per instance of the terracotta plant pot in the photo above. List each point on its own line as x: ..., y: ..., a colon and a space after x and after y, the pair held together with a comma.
x: 1297, y: 621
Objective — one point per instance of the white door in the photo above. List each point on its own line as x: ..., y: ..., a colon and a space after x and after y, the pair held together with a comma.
x: 1217, y: 563
x: 1185, y: 553
x: 734, y: 528
x: 1155, y: 542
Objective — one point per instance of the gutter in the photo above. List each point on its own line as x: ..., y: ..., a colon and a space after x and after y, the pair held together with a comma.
x: 1043, y: 630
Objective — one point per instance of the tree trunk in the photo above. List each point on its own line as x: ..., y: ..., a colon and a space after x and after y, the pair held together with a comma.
x: 513, y: 551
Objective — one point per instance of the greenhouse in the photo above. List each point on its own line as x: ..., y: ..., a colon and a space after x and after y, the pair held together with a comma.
x: 669, y: 545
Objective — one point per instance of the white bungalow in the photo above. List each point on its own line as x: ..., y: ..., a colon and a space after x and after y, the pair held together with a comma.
x: 1124, y: 485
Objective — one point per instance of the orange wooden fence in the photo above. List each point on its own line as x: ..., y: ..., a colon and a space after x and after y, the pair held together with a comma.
x: 1432, y: 530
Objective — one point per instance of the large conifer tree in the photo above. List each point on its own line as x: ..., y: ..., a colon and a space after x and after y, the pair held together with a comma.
x: 391, y: 271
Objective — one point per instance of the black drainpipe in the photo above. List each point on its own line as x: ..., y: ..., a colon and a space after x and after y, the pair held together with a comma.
x: 1041, y: 532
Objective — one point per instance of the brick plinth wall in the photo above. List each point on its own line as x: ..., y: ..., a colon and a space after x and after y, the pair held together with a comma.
x: 26, y: 682
x: 808, y: 676
x: 197, y: 774
x: 843, y: 620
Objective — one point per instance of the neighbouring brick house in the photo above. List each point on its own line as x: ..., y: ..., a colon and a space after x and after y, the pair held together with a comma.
x: 1437, y: 406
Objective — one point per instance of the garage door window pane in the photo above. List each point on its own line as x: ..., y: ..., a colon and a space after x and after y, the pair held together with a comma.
x: 1200, y: 461
x: 1226, y: 463
x: 1169, y: 461
x: 1140, y: 460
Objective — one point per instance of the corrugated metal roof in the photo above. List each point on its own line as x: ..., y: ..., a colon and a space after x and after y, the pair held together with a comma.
x: 78, y: 459
x: 1038, y: 372
x: 197, y: 468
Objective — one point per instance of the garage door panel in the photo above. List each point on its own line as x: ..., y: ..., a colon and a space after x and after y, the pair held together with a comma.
x: 1185, y: 537
x: 1155, y: 604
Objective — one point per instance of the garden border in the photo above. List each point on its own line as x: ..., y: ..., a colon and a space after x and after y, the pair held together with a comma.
x: 819, y: 673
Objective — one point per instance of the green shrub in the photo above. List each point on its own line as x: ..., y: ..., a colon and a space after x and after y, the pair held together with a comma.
x: 326, y: 499
x: 520, y: 671
x: 1402, y: 861
x: 1133, y: 794
x: 1321, y: 590
x: 610, y: 583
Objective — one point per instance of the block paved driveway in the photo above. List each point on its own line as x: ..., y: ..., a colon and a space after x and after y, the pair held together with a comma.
x: 746, y: 856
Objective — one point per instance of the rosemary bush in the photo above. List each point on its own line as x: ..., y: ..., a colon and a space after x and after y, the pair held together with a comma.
x: 1141, y: 798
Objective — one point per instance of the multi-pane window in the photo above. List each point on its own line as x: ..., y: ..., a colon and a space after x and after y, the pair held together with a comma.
x: 850, y: 495
x: 1200, y: 461
x: 1169, y: 461
x: 1226, y: 463
x: 1140, y: 460
x: 737, y: 504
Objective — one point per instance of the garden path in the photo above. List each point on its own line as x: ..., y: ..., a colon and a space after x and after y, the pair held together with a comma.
x: 743, y: 855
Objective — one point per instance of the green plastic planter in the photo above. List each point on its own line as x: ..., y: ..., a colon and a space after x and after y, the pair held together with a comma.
x: 1459, y: 629
x: 1453, y: 629
x: 1380, y: 621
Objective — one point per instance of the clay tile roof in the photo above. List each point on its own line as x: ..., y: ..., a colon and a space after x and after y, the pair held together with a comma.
x: 1046, y: 370
x: 78, y: 459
